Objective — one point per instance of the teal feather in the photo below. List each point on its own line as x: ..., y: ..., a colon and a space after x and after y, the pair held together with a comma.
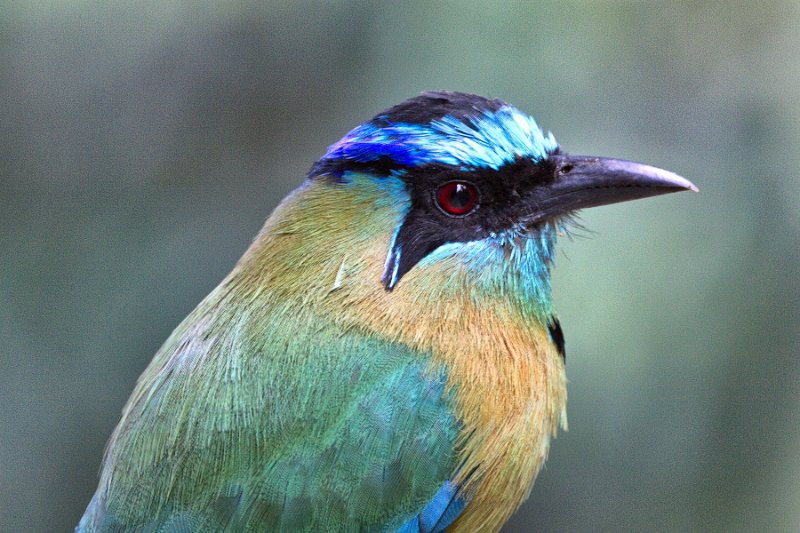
x: 232, y: 432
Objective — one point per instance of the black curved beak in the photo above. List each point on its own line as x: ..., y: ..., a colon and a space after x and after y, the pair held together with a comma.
x: 586, y: 181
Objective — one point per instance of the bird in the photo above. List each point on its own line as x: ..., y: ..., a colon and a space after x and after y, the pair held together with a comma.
x: 385, y: 356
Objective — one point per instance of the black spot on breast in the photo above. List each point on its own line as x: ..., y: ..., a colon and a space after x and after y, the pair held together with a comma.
x: 557, y: 336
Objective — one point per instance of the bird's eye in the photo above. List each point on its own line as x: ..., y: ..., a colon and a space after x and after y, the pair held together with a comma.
x: 457, y: 198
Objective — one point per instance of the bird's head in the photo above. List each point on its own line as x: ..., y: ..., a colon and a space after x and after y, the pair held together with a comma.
x: 476, y: 183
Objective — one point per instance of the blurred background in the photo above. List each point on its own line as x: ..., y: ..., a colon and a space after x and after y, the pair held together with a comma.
x: 142, y: 145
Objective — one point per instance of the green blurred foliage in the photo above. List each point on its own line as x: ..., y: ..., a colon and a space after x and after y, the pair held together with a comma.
x: 143, y: 144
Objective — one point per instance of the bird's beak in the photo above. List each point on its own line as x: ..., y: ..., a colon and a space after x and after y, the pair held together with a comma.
x: 587, y: 181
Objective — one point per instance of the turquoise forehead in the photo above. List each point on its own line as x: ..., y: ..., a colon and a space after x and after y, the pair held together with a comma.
x: 490, y: 139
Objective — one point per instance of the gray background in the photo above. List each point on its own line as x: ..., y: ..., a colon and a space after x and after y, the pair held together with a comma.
x: 142, y: 145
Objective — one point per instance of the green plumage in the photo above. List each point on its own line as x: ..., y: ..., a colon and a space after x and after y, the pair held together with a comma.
x: 267, y: 417
x: 384, y: 357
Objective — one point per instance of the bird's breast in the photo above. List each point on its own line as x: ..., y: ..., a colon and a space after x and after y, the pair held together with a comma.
x: 507, y: 380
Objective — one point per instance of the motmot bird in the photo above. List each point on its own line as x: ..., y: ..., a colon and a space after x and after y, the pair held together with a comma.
x: 386, y: 355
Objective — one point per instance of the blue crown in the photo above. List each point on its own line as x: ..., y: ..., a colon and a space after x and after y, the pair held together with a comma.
x: 478, y: 136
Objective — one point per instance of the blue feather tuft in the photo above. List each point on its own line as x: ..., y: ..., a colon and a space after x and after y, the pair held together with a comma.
x: 488, y: 140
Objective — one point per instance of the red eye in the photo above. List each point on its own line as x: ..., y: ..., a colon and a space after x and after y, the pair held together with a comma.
x: 457, y: 198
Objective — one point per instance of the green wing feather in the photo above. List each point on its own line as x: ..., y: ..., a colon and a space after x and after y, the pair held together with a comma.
x: 255, y: 416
